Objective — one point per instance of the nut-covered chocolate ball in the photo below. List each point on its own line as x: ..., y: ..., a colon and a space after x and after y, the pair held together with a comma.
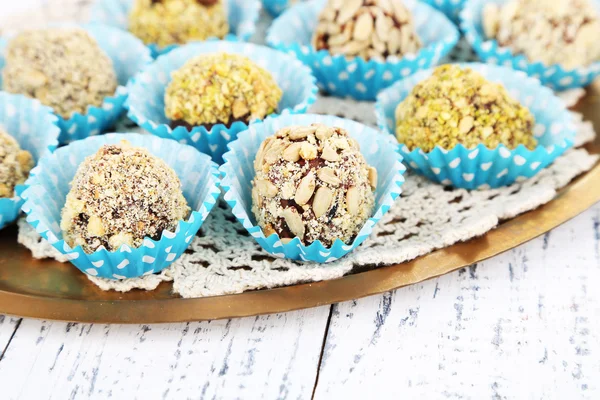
x: 64, y: 68
x: 119, y: 196
x: 371, y: 29
x: 15, y: 165
x: 313, y: 183
x: 166, y: 22
x: 564, y: 32
x: 458, y: 105
x: 220, y: 88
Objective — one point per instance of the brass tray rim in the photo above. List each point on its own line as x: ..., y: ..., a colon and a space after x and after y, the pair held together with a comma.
x: 583, y: 192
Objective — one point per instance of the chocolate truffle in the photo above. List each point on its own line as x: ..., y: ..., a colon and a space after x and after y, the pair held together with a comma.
x: 564, y: 32
x: 371, y: 29
x: 458, y: 105
x: 15, y: 165
x: 166, y: 22
x: 313, y: 183
x: 119, y: 196
x: 64, y: 68
x: 220, y: 88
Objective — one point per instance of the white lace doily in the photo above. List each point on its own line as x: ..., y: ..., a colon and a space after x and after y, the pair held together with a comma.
x: 223, y: 259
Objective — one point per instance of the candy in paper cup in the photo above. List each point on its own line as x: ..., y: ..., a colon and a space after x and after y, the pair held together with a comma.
x: 34, y: 127
x: 47, y: 190
x: 450, y: 8
x: 481, y: 167
x: 129, y: 55
x: 554, y: 76
x: 146, y: 101
x: 379, y: 150
x: 242, y: 16
x: 355, y: 77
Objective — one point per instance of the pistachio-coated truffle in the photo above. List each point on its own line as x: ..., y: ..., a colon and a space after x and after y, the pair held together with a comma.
x: 313, y: 183
x: 220, y: 88
x: 119, y: 196
x: 166, y: 22
x: 64, y: 68
x: 15, y: 164
x: 458, y: 105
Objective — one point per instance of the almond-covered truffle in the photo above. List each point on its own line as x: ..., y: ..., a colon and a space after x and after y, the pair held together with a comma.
x: 220, y: 88
x: 564, y: 32
x: 312, y: 182
x: 371, y: 29
x: 64, y: 68
x: 166, y: 22
x: 458, y: 105
x: 15, y: 165
x: 119, y: 196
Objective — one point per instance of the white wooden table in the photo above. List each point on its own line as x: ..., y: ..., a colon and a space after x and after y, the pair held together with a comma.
x: 523, y: 325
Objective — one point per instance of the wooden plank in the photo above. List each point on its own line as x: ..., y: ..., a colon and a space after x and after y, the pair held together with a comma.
x: 271, y: 357
x: 8, y: 326
x: 522, y: 325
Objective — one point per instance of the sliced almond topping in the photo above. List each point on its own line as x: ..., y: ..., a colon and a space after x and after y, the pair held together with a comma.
x: 324, y: 132
x: 294, y: 222
x: 329, y: 153
x: 292, y: 152
x: 322, y: 201
x: 348, y: 10
x: 301, y: 133
x: 328, y: 175
x: 308, y: 151
x: 352, y: 200
x: 266, y: 188
x: 306, y: 188
x: 274, y: 151
x: 363, y: 27
x: 373, y: 178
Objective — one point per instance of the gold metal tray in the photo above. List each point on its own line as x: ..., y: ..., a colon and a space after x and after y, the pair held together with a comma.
x: 51, y: 290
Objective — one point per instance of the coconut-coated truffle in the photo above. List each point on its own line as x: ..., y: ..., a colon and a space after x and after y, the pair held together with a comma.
x: 64, y: 68
x: 371, y: 29
x: 458, y: 105
x: 119, y: 196
x: 166, y: 22
x: 564, y: 32
x: 220, y: 88
x: 15, y: 164
x: 312, y: 182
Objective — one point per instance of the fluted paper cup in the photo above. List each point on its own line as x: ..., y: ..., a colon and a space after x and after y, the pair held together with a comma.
x: 482, y: 167
x: 380, y: 151
x: 47, y: 189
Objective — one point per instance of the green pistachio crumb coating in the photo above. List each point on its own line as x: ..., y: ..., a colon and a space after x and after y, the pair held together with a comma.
x: 166, y: 22
x: 221, y: 88
x: 459, y: 106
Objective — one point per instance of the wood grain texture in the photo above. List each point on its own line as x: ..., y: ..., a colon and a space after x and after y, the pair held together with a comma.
x: 525, y: 324
x: 8, y: 326
x: 273, y: 356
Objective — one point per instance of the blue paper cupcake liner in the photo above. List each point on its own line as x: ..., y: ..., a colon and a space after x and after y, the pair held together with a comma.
x: 450, y: 8
x: 34, y: 127
x: 554, y: 76
x: 356, y: 77
x: 129, y: 56
x: 380, y: 151
x: 481, y: 167
x: 242, y: 17
x: 48, y: 187
x: 146, y: 101
x: 276, y: 7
